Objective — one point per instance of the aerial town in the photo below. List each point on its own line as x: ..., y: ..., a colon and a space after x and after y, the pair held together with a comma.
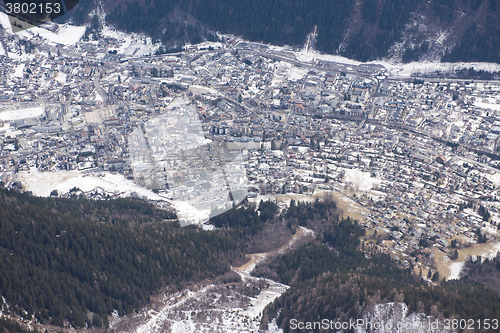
x: 417, y: 157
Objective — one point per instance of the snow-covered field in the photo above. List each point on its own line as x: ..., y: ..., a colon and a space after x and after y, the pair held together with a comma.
x: 34, y: 112
x: 18, y: 71
x: 42, y: 183
x: 196, y: 89
x: 495, y: 178
x: 455, y: 269
x: 491, y: 253
x: 130, y: 44
x: 296, y: 73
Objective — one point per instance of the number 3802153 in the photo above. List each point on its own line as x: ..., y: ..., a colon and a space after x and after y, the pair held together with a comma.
x: 32, y: 8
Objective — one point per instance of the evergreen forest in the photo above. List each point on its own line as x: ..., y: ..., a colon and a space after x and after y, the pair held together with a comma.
x: 63, y: 259
x: 362, y: 30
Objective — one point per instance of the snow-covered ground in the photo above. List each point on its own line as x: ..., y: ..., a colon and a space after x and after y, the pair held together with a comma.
x: 18, y: 71
x: 61, y: 78
x: 200, y: 89
x: 491, y: 253
x: 66, y: 34
x: 361, y: 181
x: 206, y: 45
x: 189, y: 214
x: 213, y: 308
x: 42, y: 183
x: 455, y: 269
x: 296, y: 73
x: 131, y: 44
x: 398, y: 69
x: 34, y: 112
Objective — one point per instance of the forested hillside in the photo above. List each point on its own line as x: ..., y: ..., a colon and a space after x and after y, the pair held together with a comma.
x: 454, y: 30
x: 57, y: 264
x: 63, y: 259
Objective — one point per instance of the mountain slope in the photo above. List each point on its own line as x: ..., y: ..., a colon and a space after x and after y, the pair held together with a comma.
x: 404, y: 30
x: 61, y: 258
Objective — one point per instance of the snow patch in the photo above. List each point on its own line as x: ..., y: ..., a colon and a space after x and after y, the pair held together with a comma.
x: 61, y: 78
x: 18, y: 71
x: 66, y: 34
x: 296, y: 73
x: 5, y: 23
x: 484, y: 105
x: 360, y: 180
x: 491, y: 253
x: 455, y: 269
x: 495, y: 178
x: 188, y: 214
x: 42, y: 183
x: 306, y: 56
